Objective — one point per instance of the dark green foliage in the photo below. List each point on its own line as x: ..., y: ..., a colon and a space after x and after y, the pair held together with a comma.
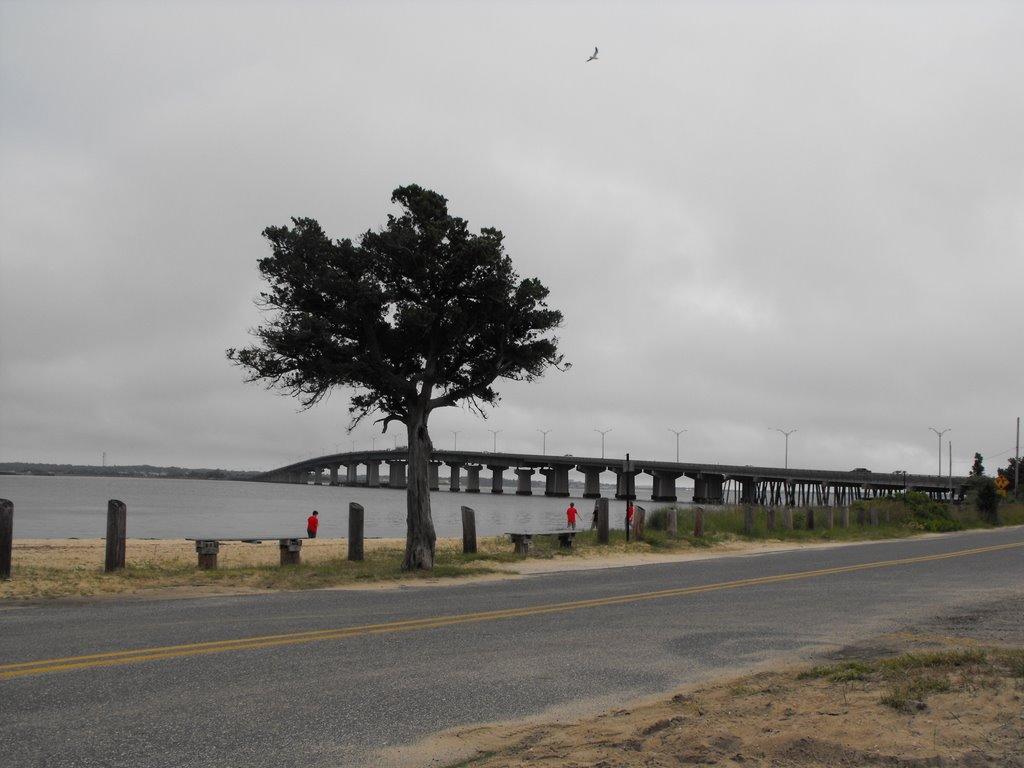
x: 986, y: 499
x: 1010, y: 474
x: 978, y: 468
x: 929, y: 515
x: 423, y: 313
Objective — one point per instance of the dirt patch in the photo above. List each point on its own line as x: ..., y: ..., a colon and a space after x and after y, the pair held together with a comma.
x: 916, y: 698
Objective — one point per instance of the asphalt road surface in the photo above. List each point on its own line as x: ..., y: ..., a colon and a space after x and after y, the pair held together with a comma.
x: 325, y: 678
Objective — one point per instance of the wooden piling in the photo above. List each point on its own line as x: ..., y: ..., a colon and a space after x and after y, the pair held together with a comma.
x: 810, y: 518
x: 117, y: 525
x: 468, y: 530
x: 845, y: 516
x: 873, y: 512
x: 639, y: 517
x: 748, y: 520
x: 355, y: 531
x: 602, y: 521
x: 771, y: 518
x: 698, y: 523
x: 830, y: 518
x: 6, y: 537
x: 672, y: 522
x: 787, y: 519
x: 291, y: 551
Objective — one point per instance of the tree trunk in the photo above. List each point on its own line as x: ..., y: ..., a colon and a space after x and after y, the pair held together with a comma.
x: 419, y: 536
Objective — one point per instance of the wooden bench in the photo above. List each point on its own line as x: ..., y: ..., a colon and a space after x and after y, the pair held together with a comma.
x: 207, y: 548
x: 523, y: 539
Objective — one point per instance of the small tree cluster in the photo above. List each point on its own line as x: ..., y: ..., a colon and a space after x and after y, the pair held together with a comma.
x: 978, y: 468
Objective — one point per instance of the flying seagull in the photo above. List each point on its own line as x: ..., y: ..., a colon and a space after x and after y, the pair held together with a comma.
x: 594, y: 56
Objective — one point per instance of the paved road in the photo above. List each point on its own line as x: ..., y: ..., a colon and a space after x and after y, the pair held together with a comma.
x: 233, y: 681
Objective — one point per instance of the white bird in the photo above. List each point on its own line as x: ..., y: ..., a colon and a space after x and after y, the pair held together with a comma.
x: 594, y: 56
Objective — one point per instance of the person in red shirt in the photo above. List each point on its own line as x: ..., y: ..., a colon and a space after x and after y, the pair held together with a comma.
x: 570, y: 515
x: 629, y: 518
x: 312, y: 523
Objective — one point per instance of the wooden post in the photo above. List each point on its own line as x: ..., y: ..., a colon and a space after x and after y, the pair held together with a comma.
x: 787, y: 519
x: 771, y: 518
x: 639, y: 514
x: 355, y: 531
x: 810, y: 518
x: 602, y: 521
x: 861, y: 517
x: 830, y: 518
x: 672, y: 522
x: 6, y: 537
x: 748, y: 520
x: 117, y: 524
x: 206, y: 550
x: 468, y: 530
x: 698, y: 523
x: 874, y: 517
x: 291, y: 551
x: 844, y: 515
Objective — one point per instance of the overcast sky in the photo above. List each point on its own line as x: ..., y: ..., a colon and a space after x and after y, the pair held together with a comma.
x: 753, y: 215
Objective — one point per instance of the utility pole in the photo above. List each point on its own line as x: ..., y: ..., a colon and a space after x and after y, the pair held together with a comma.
x: 787, y: 434
x: 105, y: 453
x: 1016, y: 466
x: 373, y: 443
x: 455, y: 439
x: 940, y: 434
x: 603, y: 433
x: 494, y: 433
x: 677, y: 432
x: 544, y: 441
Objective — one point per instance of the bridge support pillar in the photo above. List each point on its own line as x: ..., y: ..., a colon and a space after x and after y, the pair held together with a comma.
x: 625, y: 484
x: 454, y: 484
x: 373, y: 473
x: 748, y: 490
x: 556, y: 481
x: 707, y: 489
x: 318, y: 476
x: 396, y: 474
x: 352, y: 474
x: 664, y: 486
x: 433, y: 481
x: 473, y: 478
x: 334, y: 474
x: 591, y: 481
x: 524, y: 483
x: 497, y: 479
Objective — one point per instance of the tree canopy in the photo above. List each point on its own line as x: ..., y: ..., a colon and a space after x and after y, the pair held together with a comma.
x: 422, y: 314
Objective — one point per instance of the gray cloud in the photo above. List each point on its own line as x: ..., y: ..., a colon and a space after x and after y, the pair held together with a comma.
x: 752, y: 215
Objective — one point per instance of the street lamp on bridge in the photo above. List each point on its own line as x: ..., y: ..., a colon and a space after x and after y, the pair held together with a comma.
x: 787, y: 434
x: 940, y: 434
x: 603, y: 433
x: 677, y: 433
x: 544, y: 441
x: 455, y: 439
x: 494, y: 433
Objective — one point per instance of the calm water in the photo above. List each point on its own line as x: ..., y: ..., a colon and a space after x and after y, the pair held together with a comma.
x: 75, y: 507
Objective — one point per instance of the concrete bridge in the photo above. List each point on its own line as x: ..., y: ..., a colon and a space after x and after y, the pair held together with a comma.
x: 713, y: 483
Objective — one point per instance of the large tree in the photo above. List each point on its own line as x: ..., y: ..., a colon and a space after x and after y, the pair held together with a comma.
x: 420, y: 315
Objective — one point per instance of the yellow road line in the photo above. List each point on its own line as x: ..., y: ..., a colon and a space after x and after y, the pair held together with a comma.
x: 112, y: 658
